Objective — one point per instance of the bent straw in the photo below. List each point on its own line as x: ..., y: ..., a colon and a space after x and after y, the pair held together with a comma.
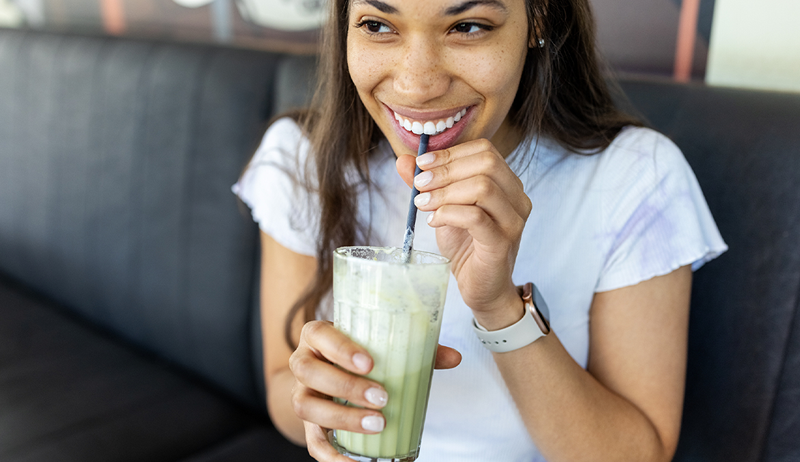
x: 408, y: 239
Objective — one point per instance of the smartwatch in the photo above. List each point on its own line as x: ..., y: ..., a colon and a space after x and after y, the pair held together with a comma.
x: 535, y: 323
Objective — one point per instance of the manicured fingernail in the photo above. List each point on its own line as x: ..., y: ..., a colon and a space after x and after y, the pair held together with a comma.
x: 425, y: 159
x: 361, y: 362
x: 376, y: 396
x: 430, y: 218
x: 372, y: 423
x: 422, y: 179
x: 422, y: 199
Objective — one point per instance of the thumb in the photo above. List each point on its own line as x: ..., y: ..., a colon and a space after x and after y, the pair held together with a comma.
x: 447, y: 358
x: 405, y: 167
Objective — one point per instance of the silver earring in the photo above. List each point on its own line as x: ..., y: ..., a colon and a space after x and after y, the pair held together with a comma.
x: 541, y: 43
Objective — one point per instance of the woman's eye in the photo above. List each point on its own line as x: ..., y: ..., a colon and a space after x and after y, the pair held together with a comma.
x: 374, y: 27
x: 470, y: 28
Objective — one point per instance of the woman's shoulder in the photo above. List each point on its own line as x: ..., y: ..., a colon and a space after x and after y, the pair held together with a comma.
x: 641, y: 145
x: 635, y: 154
x: 274, y: 186
x: 283, y: 141
x: 640, y: 155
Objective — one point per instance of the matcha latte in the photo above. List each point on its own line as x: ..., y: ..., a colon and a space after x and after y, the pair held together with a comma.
x: 394, y: 310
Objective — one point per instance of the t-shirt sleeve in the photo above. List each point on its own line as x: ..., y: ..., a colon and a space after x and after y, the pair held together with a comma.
x: 654, y: 211
x: 274, y: 186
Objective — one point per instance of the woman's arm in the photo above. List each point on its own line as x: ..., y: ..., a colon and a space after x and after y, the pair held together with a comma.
x: 284, y: 277
x: 628, y: 405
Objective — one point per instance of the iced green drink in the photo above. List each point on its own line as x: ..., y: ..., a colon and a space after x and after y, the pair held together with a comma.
x: 394, y: 310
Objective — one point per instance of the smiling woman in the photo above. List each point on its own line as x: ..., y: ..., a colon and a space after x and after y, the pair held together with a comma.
x: 428, y: 64
x: 532, y: 174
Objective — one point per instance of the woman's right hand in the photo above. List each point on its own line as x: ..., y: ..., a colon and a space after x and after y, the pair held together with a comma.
x: 318, y: 379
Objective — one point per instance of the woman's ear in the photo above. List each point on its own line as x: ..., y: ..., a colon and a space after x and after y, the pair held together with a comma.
x: 536, y: 42
x: 536, y: 39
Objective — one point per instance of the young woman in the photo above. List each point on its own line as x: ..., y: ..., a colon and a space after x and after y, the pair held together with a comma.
x: 533, y: 175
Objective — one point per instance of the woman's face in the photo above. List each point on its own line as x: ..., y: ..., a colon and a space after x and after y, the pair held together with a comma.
x: 448, y: 67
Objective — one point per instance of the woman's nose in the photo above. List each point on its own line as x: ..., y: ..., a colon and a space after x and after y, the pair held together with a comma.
x: 421, y: 75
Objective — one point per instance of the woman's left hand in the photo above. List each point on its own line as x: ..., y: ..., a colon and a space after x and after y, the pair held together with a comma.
x: 479, y: 211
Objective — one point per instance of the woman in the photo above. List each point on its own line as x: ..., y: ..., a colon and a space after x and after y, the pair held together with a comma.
x: 532, y: 175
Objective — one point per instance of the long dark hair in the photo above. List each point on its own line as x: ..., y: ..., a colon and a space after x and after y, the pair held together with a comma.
x: 562, y: 96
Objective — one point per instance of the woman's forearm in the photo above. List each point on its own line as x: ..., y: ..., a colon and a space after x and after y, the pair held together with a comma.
x: 570, y: 415
x: 279, y: 405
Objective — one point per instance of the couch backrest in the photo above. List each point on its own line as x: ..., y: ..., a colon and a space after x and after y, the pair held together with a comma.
x: 116, y: 162
x: 117, y: 156
x: 743, y: 384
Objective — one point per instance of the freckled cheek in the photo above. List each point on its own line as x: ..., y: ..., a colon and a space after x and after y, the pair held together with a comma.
x: 367, y: 69
x: 492, y: 77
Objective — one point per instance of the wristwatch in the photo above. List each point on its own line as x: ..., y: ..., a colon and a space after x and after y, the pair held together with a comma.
x: 535, y: 323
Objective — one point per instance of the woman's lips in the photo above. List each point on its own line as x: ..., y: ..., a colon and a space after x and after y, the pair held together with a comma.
x: 436, y: 142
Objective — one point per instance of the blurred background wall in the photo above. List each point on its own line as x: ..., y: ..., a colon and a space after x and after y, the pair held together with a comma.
x: 756, y: 45
x: 636, y: 36
x: 666, y: 38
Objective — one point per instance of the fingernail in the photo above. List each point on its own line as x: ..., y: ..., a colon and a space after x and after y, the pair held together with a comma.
x: 376, y: 396
x: 430, y: 218
x: 425, y: 159
x: 422, y: 179
x: 361, y: 362
x: 422, y: 199
x: 372, y: 423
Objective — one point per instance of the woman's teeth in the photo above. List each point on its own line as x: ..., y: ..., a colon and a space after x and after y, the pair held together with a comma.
x: 430, y: 127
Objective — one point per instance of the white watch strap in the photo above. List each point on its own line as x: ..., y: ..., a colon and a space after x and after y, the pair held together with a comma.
x: 520, y: 334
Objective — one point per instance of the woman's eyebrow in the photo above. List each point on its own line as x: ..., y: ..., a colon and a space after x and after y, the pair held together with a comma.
x: 458, y: 9
x: 381, y: 6
x: 450, y: 11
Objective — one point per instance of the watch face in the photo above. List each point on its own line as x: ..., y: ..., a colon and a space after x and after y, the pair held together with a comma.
x: 539, y: 303
x: 536, y: 305
x: 544, y: 326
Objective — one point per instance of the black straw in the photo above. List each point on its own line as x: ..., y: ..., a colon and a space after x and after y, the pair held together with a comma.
x: 408, y: 239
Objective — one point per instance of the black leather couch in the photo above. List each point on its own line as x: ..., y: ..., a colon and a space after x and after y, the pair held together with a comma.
x: 128, y: 272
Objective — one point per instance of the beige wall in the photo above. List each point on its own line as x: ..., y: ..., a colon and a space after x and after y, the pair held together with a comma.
x: 755, y: 44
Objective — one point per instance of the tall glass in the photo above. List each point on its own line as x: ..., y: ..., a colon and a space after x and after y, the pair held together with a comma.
x: 394, y: 310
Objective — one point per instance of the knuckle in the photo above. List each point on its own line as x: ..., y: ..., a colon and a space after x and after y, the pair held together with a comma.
x: 443, y: 155
x: 483, y: 186
x: 444, y: 172
x: 298, y: 406
x: 488, y: 160
x: 527, y: 208
x: 485, y: 145
x: 300, y: 366
x: 311, y: 329
x: 350, y: 384
x: 341, y: 421
x: 343, y: 350
x: 476, y: 216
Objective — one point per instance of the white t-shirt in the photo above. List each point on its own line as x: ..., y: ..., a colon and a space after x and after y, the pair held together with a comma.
x: 599, y: 222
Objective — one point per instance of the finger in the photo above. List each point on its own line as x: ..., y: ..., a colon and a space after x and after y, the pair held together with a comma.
x: 447, y: 358
x: 311, y: 406
x: 330, y: 344
x: 481, y: 191
x: 472, y: 219
x: 333, y: 381
x: 405, y: 167
x: 458, y: 151
x: 452, y: 169
x: 318, y: 445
